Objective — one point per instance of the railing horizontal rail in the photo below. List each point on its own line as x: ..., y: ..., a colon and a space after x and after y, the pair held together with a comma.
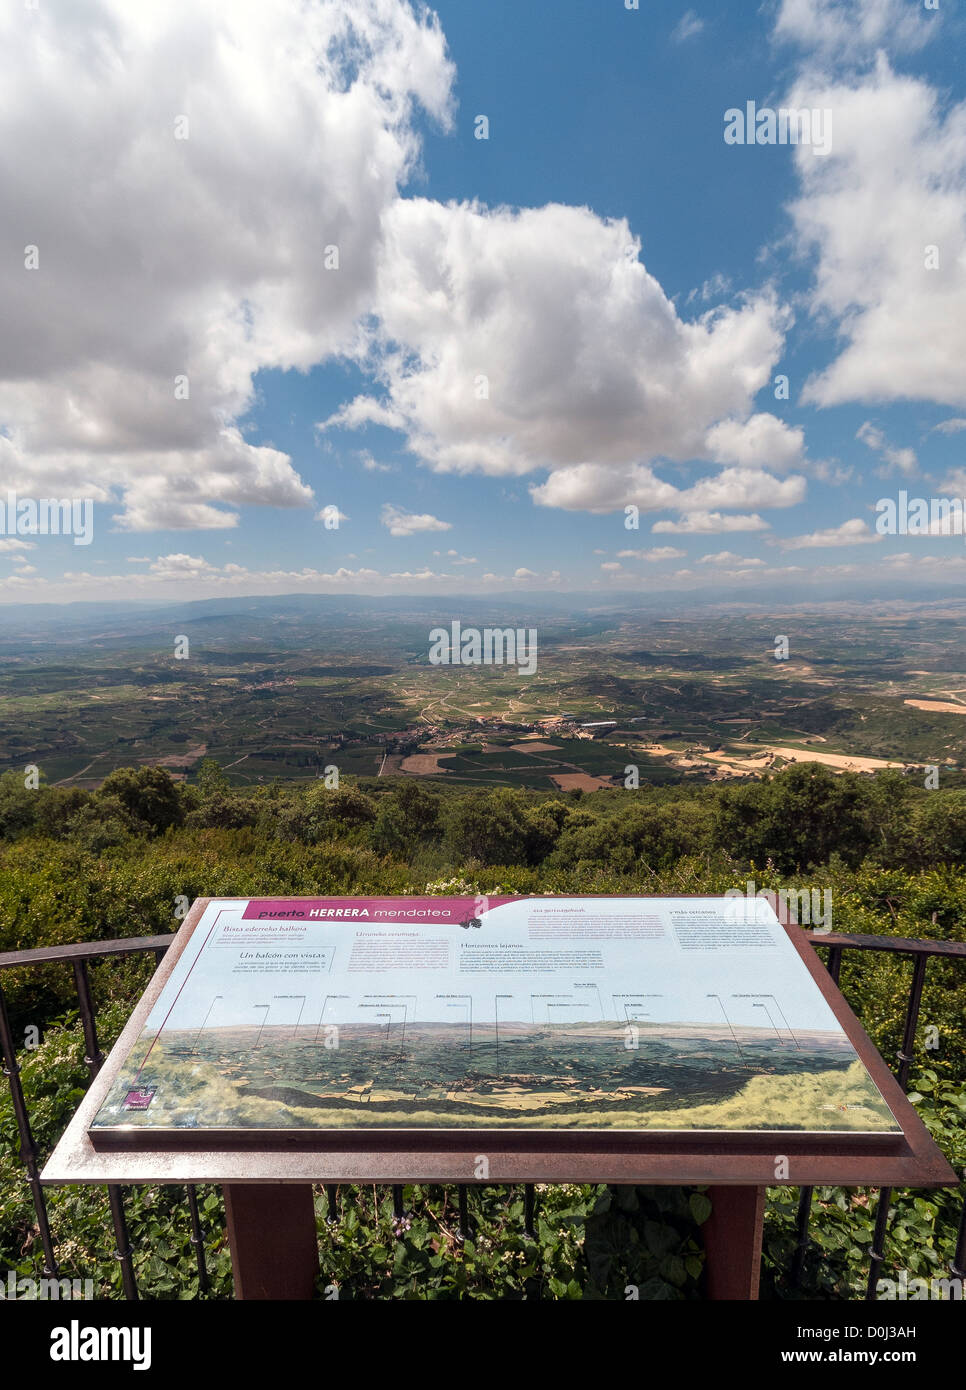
x: 85, y: 950
x: 902, y: 945
x: 129, y: 945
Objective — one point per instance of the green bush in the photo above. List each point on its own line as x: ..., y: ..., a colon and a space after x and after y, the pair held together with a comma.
x: 76, y: 866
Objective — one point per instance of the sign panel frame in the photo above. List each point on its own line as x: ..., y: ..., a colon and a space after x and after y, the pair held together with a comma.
x: 909, y: 1158
x: 565, y: 1015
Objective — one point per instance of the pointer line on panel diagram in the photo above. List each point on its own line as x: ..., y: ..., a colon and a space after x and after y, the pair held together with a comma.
x: 194, y: 1045
x: 785, y: 1021
x: 729, y: 1023
x: 267, y: 1008
x: 458, y: 1004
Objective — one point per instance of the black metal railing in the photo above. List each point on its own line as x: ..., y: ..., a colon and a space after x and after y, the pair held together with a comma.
x: 920, y: 952
x: 79, y: 955
x: 82, y: 953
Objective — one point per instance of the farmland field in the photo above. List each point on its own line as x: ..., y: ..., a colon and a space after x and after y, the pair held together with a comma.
x: 696, y: 697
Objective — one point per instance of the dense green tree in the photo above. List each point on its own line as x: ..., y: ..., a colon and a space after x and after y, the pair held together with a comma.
x: 796, y: 818
x: 891, y: 798
x: 490, y: 828
x: 321, y: 813
x: 344, y: 805
x: 542, y: 825
x: 223, y: 810
x: 19, y: 805
x: 940, y: 829
x: 58, y: 807
x: 103, y: 823
x: 149, y: 793
x: 406, y: 819
x: 212, y: 780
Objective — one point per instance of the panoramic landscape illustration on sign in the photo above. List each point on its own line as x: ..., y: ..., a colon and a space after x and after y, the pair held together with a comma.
x: 520, y: 1014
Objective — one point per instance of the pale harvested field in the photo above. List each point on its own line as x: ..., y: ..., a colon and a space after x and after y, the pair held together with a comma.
x: 661, y: 750
x: 725, y: 760
x: 534, y: 746
x: 937, y: 706
x: 762, y: 757
x: 736, y: 764
x: 842, y: 761
x: 569, y: 781
x: 424, y: 764
x: 185, y: 759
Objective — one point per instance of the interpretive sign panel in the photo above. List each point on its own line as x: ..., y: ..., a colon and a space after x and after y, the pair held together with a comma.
x: 552, y: 1014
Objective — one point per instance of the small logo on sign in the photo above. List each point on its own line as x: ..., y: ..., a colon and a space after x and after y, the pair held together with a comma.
x: 141, y: 1099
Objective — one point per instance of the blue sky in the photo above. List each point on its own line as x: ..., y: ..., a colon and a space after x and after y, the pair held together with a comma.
x: 613, y: 376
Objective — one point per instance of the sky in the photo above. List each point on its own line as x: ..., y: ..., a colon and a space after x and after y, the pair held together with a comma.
x: 370, y: 298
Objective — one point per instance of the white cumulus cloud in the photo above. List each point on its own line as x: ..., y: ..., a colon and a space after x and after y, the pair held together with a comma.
x: 513, y: 341
x: 885, y: 216
x: 854, y: 532
x: 403, y: 523
x: 710, y: 523
x: 171, y: 270
x: 851, y: 28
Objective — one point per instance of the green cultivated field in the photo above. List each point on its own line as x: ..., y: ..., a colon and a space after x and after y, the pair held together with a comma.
x: 280, y: 689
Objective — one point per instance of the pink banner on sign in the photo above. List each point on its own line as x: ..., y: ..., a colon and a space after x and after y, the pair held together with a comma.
x: 370, y: 909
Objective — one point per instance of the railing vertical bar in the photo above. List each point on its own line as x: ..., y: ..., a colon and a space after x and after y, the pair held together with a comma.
x: 959, y: 1258
x: 877, y: 1253
x: 906, y: 1055
x: 529, y: 1209
x: 28, y: 1149
x: 834, y: 966
x: 801, y: 1244
x: 197, y: 1238
x: 834, y: 962
x: 122, y: 1252
x: 94, y: 1057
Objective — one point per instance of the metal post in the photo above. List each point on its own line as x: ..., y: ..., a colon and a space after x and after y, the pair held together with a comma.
x: 94, y: 1057
x: 332, y: 1199
x: 732, y: 1242
x: 906, y: 1056
x: 273, y: 1238
x: 833, y: 965
x: 958, y: 1265
x: 801, y: 1246
x: 464, y: 1212
x: 529, y: 1208
x: 877, y: 1254
x: 28, y: 1149
x: 197, y: 1239
x: 834, y: 962
x: 123, y: 1252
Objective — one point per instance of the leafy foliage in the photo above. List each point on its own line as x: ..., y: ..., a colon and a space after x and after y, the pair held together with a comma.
x: 81, y: 866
